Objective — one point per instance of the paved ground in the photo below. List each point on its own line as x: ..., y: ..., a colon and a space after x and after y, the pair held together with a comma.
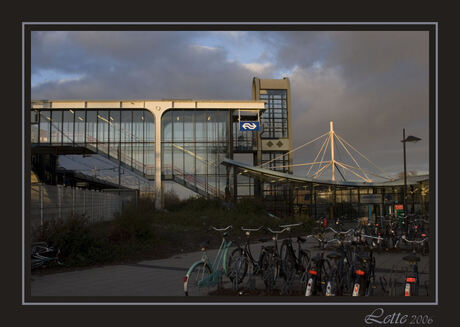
x: 165, y: 277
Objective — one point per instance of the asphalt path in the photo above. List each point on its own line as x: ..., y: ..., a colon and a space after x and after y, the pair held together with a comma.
x: 164, y: 277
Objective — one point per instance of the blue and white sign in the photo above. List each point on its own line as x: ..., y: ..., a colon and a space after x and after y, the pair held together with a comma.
x: 252, y: 126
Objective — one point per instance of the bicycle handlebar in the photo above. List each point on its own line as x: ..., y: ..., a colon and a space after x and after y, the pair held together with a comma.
x: 374, y: 237
x: 277, y: 231
x: 341, y: 233
x: 291, y: 225
x: 414, y: 241
x: 251, y: 229
x: 222, y: 229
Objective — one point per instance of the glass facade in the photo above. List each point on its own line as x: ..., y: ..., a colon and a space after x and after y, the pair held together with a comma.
x: 125, y: 135
x: 194, y: 143
x: 275, y: 118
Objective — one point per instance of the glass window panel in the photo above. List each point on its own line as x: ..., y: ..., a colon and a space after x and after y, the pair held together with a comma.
x: 189, y: 158
x: 34, y: 133
x: 178, y: 125
x: 189, y: 126
x: 68, y: 126
x: 167, y: 158
x: 79, y: 126
x: 114, y: 150
x: 149, y: 159
x: 56, y: 126
x: 149, y: 126
x: 126, y: 126
x: 178, y: 159
x: 166, y: 121
x: 138, y: 125
x: 114, y: 126
x: 201, y: 165
x: 212, y: 127
x: 200, y: 125
x: 91, y: 126
x: 126, y: 153
x: 138, y: 156
x: 34, y: 126
x: 103, y: 126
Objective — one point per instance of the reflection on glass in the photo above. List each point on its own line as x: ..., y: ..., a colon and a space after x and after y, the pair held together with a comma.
x: 80, y: 126
x: 68, y: 125
x: 56, y: 127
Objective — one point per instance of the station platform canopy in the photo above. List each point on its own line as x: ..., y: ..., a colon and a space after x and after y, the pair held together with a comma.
x: 272, y: 176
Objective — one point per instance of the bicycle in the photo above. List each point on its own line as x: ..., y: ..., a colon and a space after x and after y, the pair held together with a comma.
x: 412, y: 282
x: 203, y: 275
x: 241, y: 260
x: 363, y: 268
x: 317, y: 270
x: 339, y: 276
x: 42, y: 254
x: 270, y: 261
x: 293, y: 264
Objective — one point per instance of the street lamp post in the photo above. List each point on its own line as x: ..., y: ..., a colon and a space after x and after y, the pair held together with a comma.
x: 414, y: 139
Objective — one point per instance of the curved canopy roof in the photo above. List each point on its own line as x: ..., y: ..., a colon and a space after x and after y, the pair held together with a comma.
x: 279, y: 177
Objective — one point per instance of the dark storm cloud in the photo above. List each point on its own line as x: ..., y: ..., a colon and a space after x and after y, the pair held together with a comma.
x: 138, y: 65
x: 371, y: 84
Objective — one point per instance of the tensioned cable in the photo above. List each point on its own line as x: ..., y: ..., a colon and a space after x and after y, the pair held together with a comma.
x: 351, y: 156
x: 321, y: 171
x: 351, y: 171
x: 299, y: 147
x: 316, y: 158
x: 302, y: 164
x: 368, y: 171
x: 361, y: 154
x: 322, y: 158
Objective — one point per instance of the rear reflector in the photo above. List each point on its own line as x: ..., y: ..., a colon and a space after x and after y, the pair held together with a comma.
x: 359, y: 272
x: 185, y: 279
x: 313, y: 272
x: 423, y: 235
x: 411, y: 279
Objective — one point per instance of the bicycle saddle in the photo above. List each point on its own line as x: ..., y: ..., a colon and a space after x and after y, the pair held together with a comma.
x: 263, y: 240
x: 301, y: 239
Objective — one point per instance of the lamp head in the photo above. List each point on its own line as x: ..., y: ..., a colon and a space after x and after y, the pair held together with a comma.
x: 411, y: 138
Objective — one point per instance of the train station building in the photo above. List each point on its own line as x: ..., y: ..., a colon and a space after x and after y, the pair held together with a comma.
x: 214, y: 148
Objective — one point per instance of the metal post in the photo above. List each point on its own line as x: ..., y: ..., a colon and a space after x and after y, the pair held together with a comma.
x: 41, y: 205
x: 84, y: 202
x: 59, y: 191
x: 331, y: 132
x: 73, y: 201
x: 405, y: 173
x: 92, y: 205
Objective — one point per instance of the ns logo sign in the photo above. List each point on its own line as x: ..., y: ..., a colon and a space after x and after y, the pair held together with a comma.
x: 249, y: 126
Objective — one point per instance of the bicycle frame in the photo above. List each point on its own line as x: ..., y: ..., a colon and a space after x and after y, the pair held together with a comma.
x: 218, y: 267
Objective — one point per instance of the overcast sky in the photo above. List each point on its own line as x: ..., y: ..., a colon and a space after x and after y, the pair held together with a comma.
x: 371, y: 84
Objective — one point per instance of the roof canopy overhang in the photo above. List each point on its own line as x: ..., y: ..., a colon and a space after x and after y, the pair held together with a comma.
x: 272, y: 176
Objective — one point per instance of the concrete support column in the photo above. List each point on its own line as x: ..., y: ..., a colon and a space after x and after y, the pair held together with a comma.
x: 158, y: 182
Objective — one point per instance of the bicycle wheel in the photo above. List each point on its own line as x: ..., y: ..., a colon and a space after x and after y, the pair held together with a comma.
x: 288, y: 262
x: 269, y: 270
x: 199, y: 272
x: 237, y: 266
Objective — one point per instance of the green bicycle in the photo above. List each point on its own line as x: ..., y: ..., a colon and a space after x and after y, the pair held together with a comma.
x: 202, y: 275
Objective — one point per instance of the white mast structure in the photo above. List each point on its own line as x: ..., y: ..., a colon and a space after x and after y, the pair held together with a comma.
x: 322, y: 165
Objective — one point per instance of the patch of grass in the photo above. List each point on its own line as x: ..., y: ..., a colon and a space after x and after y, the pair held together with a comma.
x: 140, y: 231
